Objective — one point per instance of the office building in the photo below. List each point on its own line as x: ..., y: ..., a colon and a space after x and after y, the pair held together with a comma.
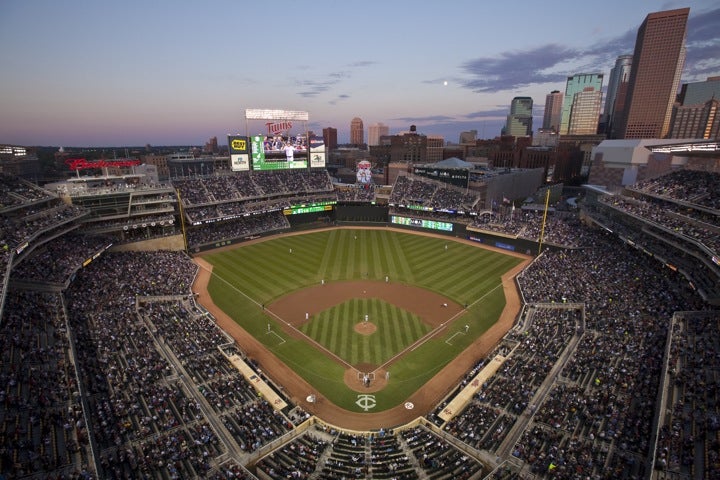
x: 696, y: 93
x: 553, y: 111
x: 375, y: 132
x: 619, y: 75
x: 330, y: 138
x: 696, y: 121
x: 468, y: 138
x: 658, y: 60
x: 520, y: 121
x: 580, y: 82
x: 585, y: 112
x: 357, y: 133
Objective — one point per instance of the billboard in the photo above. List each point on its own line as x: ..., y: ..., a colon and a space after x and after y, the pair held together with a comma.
x: 454, y: 176
x: 309, y: 208
x: 422, y: 223
x: 364, y: 175
x: 317, y: 153
x: 278, y: 148
x: 278, y: 152
x: 239, y: 153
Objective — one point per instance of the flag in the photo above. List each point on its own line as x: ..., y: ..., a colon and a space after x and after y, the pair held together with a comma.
x: 506, y: 200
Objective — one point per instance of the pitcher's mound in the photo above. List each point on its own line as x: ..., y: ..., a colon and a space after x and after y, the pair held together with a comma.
x: 365, y: 328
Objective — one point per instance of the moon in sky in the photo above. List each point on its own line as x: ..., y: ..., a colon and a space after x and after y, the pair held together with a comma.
x: 445, y: 83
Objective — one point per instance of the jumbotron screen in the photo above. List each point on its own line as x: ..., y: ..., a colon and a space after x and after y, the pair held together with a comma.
x: 422, y: 223
x: 278, y: 152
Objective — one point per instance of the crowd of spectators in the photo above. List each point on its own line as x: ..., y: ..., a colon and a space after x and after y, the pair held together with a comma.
x: 251, y: 185
x: 437, y: 457
x: 124, y: 377
x: 296, y: 459
x: 693, y: 186
x: 42, y: 429
x: 28, y: 215
x: 15, y: 192
x: 413, y: 191
x: 227, y: 207
x: 56, y: 261
x: 693, y: 225
x: 324, y: 452
x: 605, y: 404
x: 668, y: 246
x: 689, y: 438
x: 561, y: 228
x: 362, y: 193
x: 153, y: 375
x: 23, y: 225
x: 241, y: 227
x: 532, y: 348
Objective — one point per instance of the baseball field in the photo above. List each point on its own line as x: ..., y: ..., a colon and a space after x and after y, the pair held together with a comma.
x: 364, y: 316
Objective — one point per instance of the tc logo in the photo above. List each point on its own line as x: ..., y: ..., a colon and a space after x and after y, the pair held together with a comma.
x: 366, y: 402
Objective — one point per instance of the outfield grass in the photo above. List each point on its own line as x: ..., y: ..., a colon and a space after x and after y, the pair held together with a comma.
x: 255, y: 274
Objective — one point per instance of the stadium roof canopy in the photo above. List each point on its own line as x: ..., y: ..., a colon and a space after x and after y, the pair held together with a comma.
x: 452, y: 162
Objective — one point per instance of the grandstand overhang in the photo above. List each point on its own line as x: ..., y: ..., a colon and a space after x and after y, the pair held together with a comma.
x: 707, y: 147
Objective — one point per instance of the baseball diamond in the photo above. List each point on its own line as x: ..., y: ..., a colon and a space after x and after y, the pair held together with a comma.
x: 409, y: 288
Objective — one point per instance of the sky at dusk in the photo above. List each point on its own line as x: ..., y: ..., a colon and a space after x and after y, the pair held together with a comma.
x: 163, y: 72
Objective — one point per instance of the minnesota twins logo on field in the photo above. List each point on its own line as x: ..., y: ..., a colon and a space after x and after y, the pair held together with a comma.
x: 366, y: 402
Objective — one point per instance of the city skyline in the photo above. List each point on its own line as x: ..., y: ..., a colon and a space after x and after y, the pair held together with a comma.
x: 85, y: 74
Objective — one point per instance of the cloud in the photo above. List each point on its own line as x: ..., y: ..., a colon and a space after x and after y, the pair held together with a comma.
x: 500, y: 112
x: 431, y: 118
x: 552, y: 63
x: 517, y: 69
x: 703, y: 46
x: 313, y: 88
x: 362, y: 63
x: 339, y: 99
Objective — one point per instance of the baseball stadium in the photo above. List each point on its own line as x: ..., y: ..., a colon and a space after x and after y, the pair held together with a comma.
x: 256, y: 318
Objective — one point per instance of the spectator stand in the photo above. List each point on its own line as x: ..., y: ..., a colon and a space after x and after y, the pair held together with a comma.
x: 43, y: 431
x: 688, y: 431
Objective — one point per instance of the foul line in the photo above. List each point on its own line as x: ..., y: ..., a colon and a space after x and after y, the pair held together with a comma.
x: 309, y: 339
x: 410, y: 348
x: 419, y: 342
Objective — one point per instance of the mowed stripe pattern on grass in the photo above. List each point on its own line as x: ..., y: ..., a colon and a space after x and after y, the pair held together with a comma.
x: 396, y: 330
x: 268, y: 270
x: 255, y: 274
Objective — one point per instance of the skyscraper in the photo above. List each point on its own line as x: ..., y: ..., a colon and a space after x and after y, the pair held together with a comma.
x: 700, y: 92
x: 696, y: 121
x: 619, y: 74
x: 585, y: 112
x: 553, y: 111
x: 580, y: 82
x: 330, y: 138
x: 376, y: 131
x: 519, y: 122
x: 658, y: 60
x: 357, y: 133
